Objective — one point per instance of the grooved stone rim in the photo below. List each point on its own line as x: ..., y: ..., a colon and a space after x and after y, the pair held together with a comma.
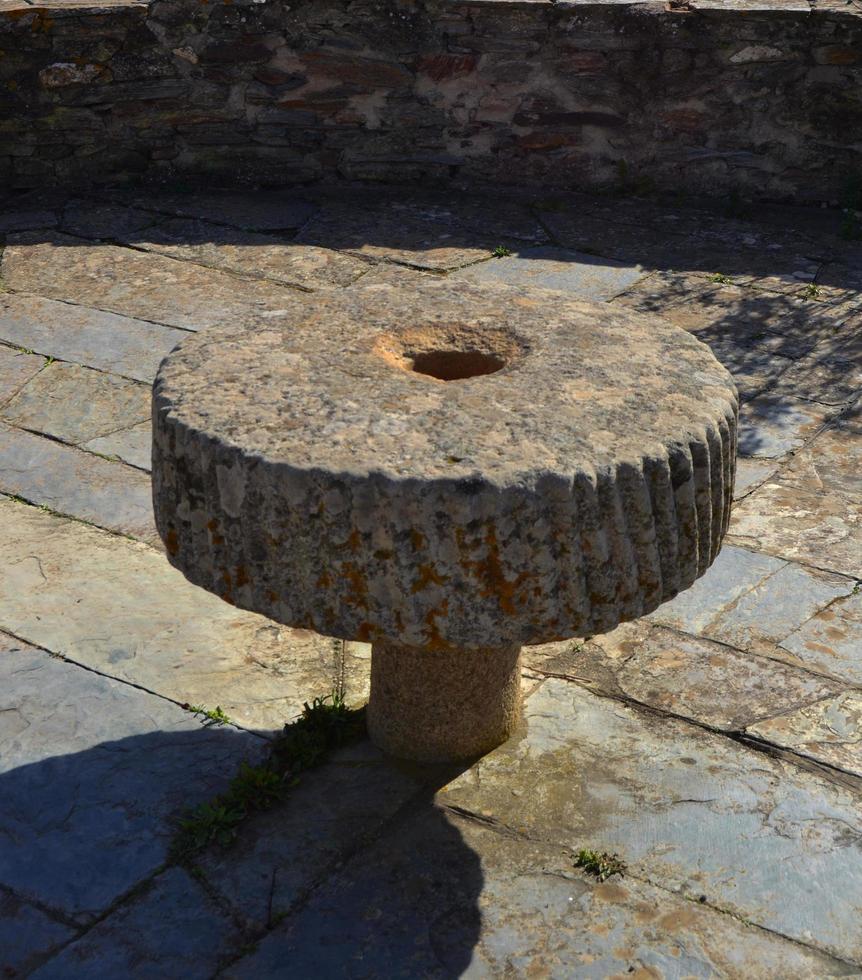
x: 303, y: 470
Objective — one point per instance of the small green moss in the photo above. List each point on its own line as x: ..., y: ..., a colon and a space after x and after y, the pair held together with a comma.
x: 811, y: 291
x: 720, y: 277
x: 600, y: 864
x: 325, y: 725
x: 501, y: 252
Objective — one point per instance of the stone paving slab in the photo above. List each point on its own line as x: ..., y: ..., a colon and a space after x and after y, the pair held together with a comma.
x: 436, y: 236
x: 777, y: 606
x: 829, y: 731
x: 27, y: 936
x: 92, y: 219
x: 447, y: 897
x: 259, y: 211
x: 831, y: 378
x: 171, y: 931
x: 812, y: 510
x: 76, y: 404
x: 712, y: 309
x: 118, y: 344
x: 91, y: 773
x: 117, y: 606
x: 831, y: 641
x: 750, y: 474
x: 251, y: 254
x: 709, y: 682
x: 141, y: 285
x: 16, y: 368
x: 287, y: 851
x: 69, y: 481
x: 689, y: 811
x: 26, y: 220
x: 132, y: 446
x: 544, y: 266
x: 771, y: 426
x: 733, y: 573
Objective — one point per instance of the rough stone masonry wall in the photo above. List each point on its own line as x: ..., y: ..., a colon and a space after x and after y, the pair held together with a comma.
x: 764, y: 96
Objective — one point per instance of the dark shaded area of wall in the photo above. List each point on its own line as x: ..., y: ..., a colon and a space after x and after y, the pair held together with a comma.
x: 760, y: 98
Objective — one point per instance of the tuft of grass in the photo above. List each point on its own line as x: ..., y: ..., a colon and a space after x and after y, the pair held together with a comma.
x: 811, y: 291
x: 501, y: 252
x: 600, y: 864
x: 214, y: 716
x: 720, y: 277
x: 325, y: 725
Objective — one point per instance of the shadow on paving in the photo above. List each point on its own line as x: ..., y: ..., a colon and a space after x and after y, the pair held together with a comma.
x: 79, y: 833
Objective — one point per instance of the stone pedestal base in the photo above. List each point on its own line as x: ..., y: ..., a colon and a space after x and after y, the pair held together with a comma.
x: 448, y: 706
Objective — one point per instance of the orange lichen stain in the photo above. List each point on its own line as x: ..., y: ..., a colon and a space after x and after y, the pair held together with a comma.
x: 241, y: 576
x: 489, y: 571
x: 212, y: 524
x: 428, y: 576
x: 358, y: 585
x: 384, y: 554
x: 417, y: 539
x: 324, y: 581
x: 271, y: 596
x: 171, y: 542
x: 354, y: 541
x: 365, y: 633
x: 433, y: 639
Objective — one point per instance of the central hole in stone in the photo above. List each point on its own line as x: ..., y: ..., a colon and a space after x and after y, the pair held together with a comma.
x: 454, y: 365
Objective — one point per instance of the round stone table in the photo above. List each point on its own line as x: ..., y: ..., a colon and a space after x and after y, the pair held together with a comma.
x: 449, y: 472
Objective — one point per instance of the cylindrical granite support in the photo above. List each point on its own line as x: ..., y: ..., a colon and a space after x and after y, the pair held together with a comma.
x: 442, y: 706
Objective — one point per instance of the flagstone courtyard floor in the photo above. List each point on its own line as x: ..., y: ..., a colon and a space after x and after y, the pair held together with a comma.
x: 715, y: 746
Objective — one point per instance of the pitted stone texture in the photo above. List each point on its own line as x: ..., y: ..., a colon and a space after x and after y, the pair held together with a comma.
x: 302, y: 469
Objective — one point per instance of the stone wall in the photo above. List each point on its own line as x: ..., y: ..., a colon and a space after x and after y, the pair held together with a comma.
x: 763, y: 97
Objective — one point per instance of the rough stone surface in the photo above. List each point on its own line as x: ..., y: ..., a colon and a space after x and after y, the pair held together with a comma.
x: 812, y: 510
x: 441, y: 706
x: 830, y: 642
x: 586, y: 276
x: 27, y: 935
x: 717, y: 97
x: 194, y: 936
x: 135, y: 284
x: 448, y: 897
x: 106, y: 341
x: 16, y: 368
x: 708, y: 682
x: 687, y: 811
x: 134, y: 618
x: 76, y: 404
x: 286, y: 851
x: 72, y: 482
x: 247, y: 253
x: 829, y: 731
x: 442, y: 513
x: 132, y: 446
x: 92, y: 772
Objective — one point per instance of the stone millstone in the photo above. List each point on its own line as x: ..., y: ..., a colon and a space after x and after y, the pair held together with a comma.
x: 445, y: 467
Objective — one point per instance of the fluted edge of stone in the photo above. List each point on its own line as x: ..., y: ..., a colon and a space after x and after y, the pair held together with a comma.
x: 444, y: 563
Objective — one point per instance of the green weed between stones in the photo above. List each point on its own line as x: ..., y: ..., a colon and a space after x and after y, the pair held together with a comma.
x: 325, y: 725
x: 600, y: 864
x: 214, y: 716
x: 501, y: 252
x: 811, y: 291
x: 720, y: 278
